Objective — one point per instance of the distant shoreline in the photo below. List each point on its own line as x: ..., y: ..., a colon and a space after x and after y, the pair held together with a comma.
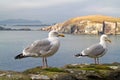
x: 10, y: 29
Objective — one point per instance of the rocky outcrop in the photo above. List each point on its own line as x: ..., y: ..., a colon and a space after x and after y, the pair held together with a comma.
x: 68, y: 72
x: 2, y: 28
x: 10, y: 29
x: 88, y: 25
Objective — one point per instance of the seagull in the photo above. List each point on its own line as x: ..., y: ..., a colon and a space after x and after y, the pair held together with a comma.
x: 42, y: 48
x: 97, y: 50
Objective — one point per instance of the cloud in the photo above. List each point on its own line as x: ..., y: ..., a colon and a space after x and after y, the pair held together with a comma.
x: 56, y: 10
x: 30, y: 4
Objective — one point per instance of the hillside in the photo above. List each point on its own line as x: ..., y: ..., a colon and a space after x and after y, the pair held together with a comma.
x: 93, y: 18
x: 92, y: 24
x: 20, y: 21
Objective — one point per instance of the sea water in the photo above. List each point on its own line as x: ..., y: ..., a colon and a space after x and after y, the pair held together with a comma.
x: 13, y: 42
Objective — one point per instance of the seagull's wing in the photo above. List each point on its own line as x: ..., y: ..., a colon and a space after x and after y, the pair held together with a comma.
x: 94, y: 50
x: 38, y: 47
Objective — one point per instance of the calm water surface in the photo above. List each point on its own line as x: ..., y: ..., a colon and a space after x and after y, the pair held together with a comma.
x: 13, y: 42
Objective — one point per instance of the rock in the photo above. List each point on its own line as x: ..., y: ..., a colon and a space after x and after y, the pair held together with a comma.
x: 3, y: 74
x: 115, y: 75
x: 114, y: 67
x: 65, y: 77
x: 94, y: 77
x: 95, y: 24
x: 68, y: 72
x: 39, y: 77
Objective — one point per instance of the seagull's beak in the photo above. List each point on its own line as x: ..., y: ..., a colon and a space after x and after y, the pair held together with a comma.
x: 108, y: 40
x: 61, y: 35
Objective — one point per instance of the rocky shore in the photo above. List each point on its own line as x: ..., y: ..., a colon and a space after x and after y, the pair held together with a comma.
x: 92, y: 24
x: 10, y: 29
x: 68, y: 72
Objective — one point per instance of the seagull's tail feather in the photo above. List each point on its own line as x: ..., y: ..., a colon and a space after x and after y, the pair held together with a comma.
x: 20, y: 56
x: 78, y: 55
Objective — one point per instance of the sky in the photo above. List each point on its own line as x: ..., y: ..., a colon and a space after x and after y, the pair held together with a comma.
x: 56, y: 11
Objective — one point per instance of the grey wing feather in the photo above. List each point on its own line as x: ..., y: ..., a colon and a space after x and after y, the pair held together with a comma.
x: 94, y: 50
x: 39, y: 46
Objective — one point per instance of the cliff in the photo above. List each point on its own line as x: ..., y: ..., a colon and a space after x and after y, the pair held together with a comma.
x: 68, y: 72
x: 93, y: 24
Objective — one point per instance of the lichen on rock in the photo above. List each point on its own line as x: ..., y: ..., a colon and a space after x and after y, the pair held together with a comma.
x: 67, y: 72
